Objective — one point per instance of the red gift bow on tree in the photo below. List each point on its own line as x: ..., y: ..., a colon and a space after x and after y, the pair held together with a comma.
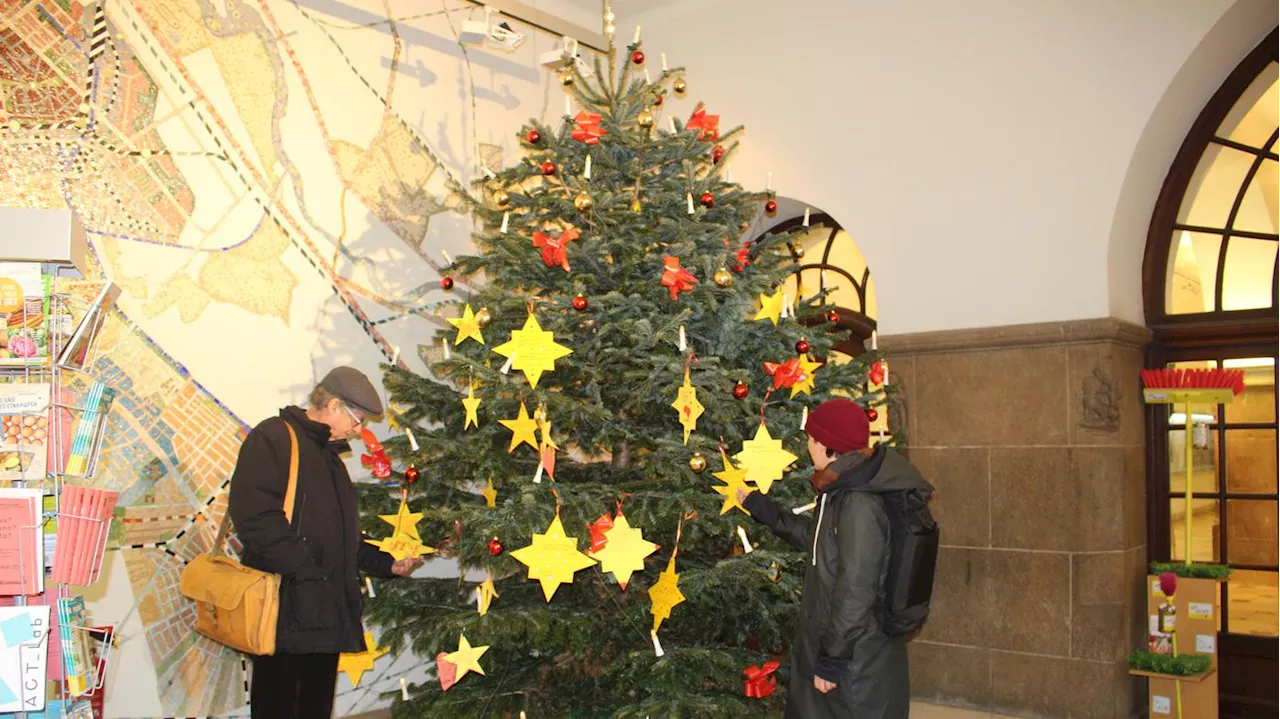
x: 553, y: 248
x: 758, y: 684
x: 376, y: 459
x: 785, y: 374
x: 676, y: 278
x: 877, y: 373
x: 588, y: 130
x: 709, y: 125
x: 598, y: 528
x: 742, y: 257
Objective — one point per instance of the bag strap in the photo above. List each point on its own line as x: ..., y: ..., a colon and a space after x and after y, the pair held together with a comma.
x: 290, y: 492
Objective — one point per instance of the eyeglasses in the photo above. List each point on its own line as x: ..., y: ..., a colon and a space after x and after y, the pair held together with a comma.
x: 354, y: 418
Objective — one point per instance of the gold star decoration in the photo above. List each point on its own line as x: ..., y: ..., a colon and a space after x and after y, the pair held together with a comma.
x: 808, y: 367
x: 471, y: 403
x: 688, y: 406
x: 734, y: 478
x: 404, y: 521
x: 522, y: 429
x: 468, y: 327
x: 356, y: 664
x: 402, y: 546
x: 764, y: 459
x: 485, y: 594
x: 625, y: 552
x: 553, y: 558
x: 490, y: 495
x: 665, y: 594
x: 770, y: 307
x: 532, y: 350
x: 467, y: 658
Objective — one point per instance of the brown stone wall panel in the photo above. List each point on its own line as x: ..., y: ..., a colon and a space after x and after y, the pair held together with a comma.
x: 951, y: 674
x: 964, y: 601
x: 1058, y: 498
x: 962, y: 502
x: 1031, y: 602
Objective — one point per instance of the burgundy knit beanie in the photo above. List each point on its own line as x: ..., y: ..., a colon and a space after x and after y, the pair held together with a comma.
x: 840, y: 425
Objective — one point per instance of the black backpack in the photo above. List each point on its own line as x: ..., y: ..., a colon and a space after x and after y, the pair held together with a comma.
x: 913, y: 556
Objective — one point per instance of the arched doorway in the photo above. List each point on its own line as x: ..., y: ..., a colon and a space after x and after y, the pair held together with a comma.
x: 1210, y: 298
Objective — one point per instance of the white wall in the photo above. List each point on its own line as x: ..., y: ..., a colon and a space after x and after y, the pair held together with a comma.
x: 992, y: 158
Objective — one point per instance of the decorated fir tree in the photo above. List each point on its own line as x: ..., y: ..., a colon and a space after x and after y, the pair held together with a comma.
x: 629, y: 356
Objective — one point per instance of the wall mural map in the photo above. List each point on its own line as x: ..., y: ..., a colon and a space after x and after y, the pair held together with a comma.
x: 270, y: 184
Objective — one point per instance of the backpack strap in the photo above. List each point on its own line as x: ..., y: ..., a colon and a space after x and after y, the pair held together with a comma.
x: 290, y: 493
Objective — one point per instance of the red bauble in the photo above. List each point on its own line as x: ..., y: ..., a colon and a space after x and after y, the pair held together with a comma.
x: 717, y: 153
x: 872, y: 415
x: 411, y: 475
x: 708, y: 200
x: 580, y: 303
x: 771, y: 208
x: 741, y: 391
x: 495, y: 547
x: 657, y: 101
x: 802, y: 347
x: 833, y: 316
x: 637, y: 57
x: 446, y: 283
x: 533, y: 136
x: 548, y: 168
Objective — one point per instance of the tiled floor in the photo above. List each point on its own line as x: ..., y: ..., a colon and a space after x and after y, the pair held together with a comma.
x: 933, y: 711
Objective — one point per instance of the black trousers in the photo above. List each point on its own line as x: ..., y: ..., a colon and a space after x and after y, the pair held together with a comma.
x: 293, y: 686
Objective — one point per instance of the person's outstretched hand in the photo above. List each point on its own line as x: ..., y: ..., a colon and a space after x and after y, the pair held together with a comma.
x: 405, y: 567
x: 743, y: 494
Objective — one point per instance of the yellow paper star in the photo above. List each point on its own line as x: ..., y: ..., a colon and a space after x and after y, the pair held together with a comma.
x: 764, y: 459
x: 770, y: 307
x: 357, y: 663
x: 625, y: 552
x: 490, y: 495
x: 467, y: 658
x: 532, y: 350
x: 688, y: 406
x: 485, y: 595
x: 665, y: 594
x: 404, y: 521
x: 734, y: 478
x: 471, y: 403
x: 805, y: 385
x: 522, y: 429
x: 553, y: 558
x: 468, y: 327
x: 402, y: 546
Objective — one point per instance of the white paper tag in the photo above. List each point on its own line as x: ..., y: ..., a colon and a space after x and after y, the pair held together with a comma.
x: 1200, y: 610
x: 1160, y: 705
x: 1205, y: 643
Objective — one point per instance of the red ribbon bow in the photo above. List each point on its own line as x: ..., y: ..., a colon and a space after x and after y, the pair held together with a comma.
x: 742, y: 257
x: 785, y: 374
x: 709, y: 125
x: 588, y: 130
x: 758, y: 684
x: 675, y: 278
x: 376, y: 459
x: 598, y: 528
x: 877, y: 373
x: 553, y: 248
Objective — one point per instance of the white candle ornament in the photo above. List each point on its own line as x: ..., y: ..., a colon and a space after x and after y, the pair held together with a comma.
x: 506, y: 366
x: 404, y: 690
x: 506, y: 217
x: 664, y: 61
x: 657, y: 645
x: 395, y: 354
x: 586, y: 169
x: 636, y: 39
x: 413, y: 441
x: 444, y: 344
x: 683, y: 345
x: 806, y: 217
x: 805, y: 508
x: 746, y: 545
x: 368, y: 583
x: 768, y: 182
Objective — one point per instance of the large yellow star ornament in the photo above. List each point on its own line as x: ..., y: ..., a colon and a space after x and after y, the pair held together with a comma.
x: 665, y: 594
x: 471, y: 403
x: 468, y: 327
x: 357, y: 663
x: 402, y: 546
x: 688, y: 406
x: 553, y: 558
x: 764, y: 459
x: 523, y: 429
x: 734, y: 478
x: 467, y: 658
x: 770, y: 307
x: 404, y: 521
x: 808, y: 367
x: 625, y: 552
x: 532, y: 350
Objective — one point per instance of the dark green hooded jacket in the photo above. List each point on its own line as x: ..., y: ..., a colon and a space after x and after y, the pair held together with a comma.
x: 839, y: 636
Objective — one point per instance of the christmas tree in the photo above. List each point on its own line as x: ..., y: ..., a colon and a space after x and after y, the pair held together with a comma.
x: 627, y: 357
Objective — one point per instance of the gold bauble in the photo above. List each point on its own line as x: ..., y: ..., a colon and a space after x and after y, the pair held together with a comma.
x: 645, y: 120
x: 583, y: 202
x: 484, y: 318
x: 566, y: 78
x: 697, y: 463
x: 501, y: 198
x: 797, y: 251
x: 723, y: 278
x: 680, y: 87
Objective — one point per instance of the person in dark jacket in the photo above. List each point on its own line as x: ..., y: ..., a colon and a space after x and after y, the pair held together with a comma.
x: 842, y: 664
x: 319, y: 555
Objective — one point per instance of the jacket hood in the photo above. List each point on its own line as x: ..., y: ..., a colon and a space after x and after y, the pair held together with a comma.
x: 884, y: 471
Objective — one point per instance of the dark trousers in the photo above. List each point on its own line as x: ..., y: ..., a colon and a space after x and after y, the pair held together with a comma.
x: 293, y: 686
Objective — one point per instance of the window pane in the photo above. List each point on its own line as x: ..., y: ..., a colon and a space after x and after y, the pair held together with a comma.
x: 1251, y: 461
x: 1206, y: 413
x: 1251, y: 531
x: 1246, y: 278
x: 1204, y: 529
x: 1258, y: 402
x: 1253, y: 119
x: 1251, y: 604
x: 1258, y: 207
x: 1214, y: 186
x: 1193, y: 273
x: 1204, y: 464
